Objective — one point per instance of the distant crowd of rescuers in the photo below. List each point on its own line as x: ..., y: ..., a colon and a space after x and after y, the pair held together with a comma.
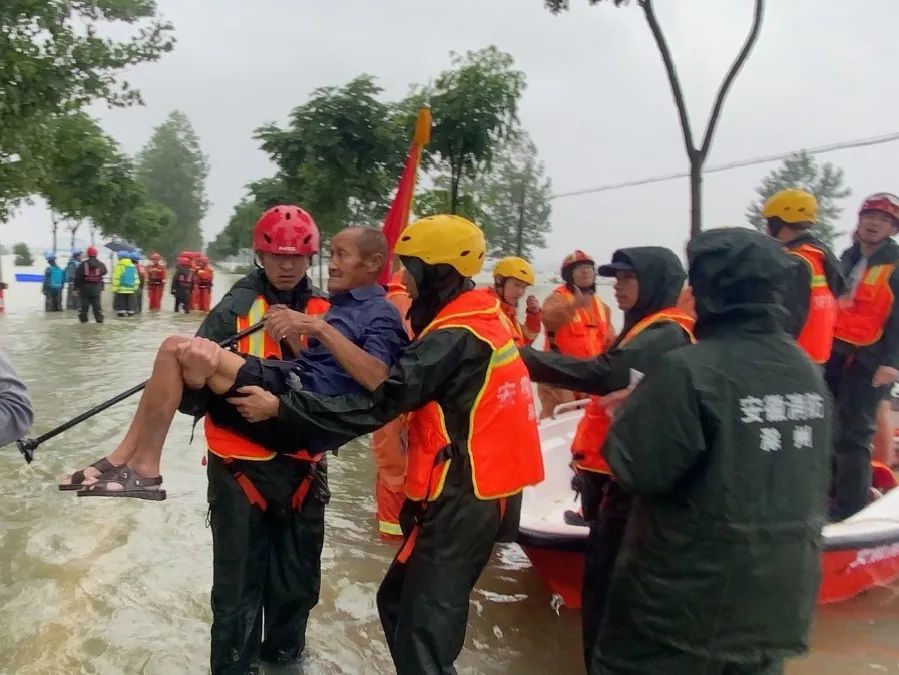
x: 83, y: 280
x: 705, y: 486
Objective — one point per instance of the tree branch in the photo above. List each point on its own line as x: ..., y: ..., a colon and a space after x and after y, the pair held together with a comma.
x: 671, y: 71
x: 732, y: 74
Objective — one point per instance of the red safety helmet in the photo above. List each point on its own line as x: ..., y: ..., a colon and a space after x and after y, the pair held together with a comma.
x: 575, y: 258
x: 155, y: 256
x: 91, y: 251
x: 886, y: 202
x: 202, y: 260
x: 286, y: 230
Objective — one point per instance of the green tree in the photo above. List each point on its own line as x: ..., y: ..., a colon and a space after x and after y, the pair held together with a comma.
x: 172, y: 169
x: 515, y: 199
x: 23, y: 255
x: 54, y: 59
x: 474, y: 106
x: 73, y: 184
x: 340, y: 156
x: 438, y: 199
x: 800, y: 170
x: 696, y: 154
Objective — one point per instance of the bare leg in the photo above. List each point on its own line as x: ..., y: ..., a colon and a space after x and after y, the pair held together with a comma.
x: 196, y: 360
x: 162, y: 367
x: 173, y: 367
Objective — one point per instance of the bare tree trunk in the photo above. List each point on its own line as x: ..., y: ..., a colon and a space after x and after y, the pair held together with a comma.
x: 520, y: 238
x: 695, y: 196
x: 55, y: 228
x: 454, y: 186
x: 697, y: 156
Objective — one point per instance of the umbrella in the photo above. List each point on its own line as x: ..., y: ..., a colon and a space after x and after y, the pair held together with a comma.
x: 119, y: 246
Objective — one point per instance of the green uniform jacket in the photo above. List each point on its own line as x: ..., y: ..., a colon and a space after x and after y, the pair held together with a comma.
x: 661, y: 278
x: 884, y: 352
x: 726, y: 445
x: 221, y: 322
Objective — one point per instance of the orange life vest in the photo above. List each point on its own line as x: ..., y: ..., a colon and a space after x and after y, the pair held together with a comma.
x: 515, y: 326
x: 816, y: 337
x: 861, y: 321
x: 204, y: 277
x: 594, y: 425
x: 156, y: 275
x: 224, y: 442
x: 586, y: 335
x: 399, y: 297
x: 503, y: 443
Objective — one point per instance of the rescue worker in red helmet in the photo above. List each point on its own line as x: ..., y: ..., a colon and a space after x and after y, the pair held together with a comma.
x: 183, y: 282
x: 577, y: 323
x: 267, y: 485
x: 156, y: 278
x: 473, y: 440
x: 865, y: 360
x: 511, y: 278
x: 204, y: 276
x: 89, y: 283
x: 811, y: 303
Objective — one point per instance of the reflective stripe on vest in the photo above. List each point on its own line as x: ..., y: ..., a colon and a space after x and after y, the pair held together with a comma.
x: 816, y: 337
x: 225, y: 443
x: 586, y: 334
x: 861, y: 322
x: 593, y: 427
x: 503, y: 443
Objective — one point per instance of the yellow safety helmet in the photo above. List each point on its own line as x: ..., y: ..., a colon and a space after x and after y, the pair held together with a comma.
x: 445, y: 239
x: 792, y: 206
x: 513, y: 267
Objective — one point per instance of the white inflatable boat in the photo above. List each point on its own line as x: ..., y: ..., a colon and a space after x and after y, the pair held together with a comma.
x: 860, y: 552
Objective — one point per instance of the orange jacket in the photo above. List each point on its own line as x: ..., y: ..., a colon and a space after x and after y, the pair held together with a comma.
x: 156, y: 274
x: 523, y: 334
x: 816, y: 337
x: 584, y: 332
x: 861, y: 322
x: 502, y: 440
x: 224, y: 442
x: 594, y: 425
x: 204, y: 277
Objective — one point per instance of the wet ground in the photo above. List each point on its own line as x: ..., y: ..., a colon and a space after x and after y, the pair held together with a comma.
x: 110, y: 586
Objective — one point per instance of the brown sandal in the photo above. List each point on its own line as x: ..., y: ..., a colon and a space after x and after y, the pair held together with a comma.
x: 133, y: 485
x: 77, y: 481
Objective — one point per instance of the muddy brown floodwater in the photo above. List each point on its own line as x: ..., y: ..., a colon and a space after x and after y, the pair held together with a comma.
x: 109, y: 586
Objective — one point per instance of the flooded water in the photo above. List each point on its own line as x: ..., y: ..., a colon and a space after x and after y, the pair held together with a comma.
x: 121, y: 586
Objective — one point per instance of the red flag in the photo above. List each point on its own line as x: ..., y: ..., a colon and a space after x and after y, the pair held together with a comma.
x: 398, y: 215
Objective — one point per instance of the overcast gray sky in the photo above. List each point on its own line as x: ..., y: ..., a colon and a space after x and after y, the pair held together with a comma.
x: 597, y: 103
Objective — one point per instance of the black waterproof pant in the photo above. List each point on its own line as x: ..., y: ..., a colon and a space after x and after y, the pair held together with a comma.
x: 603, y: 543
x: 90, y: 299
x: 72, y: 299
x: 423, y: 602
x: 266, y: 565
x: 123, y: 303
x: 634, y: 654
x: 137, y: 302
x: 53, y: 300
x: 182, y: 301
x: 855, y: 420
